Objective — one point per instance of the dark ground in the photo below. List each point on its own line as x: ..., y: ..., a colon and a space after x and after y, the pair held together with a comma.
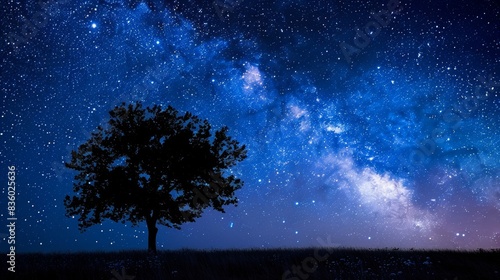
x: 261, y: 264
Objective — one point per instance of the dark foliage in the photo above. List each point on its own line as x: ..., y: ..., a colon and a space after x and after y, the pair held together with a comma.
x: 153, y: 165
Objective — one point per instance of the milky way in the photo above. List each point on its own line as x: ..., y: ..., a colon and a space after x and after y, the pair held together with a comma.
x: 376, y: 125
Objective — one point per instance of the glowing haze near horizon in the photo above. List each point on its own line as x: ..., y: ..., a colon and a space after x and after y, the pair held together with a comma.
x: 334, y: 147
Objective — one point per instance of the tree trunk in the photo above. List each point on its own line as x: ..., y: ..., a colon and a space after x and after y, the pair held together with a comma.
x: 152, y: 231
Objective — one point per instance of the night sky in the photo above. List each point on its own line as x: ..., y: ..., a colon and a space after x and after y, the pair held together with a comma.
x: 369, y: 124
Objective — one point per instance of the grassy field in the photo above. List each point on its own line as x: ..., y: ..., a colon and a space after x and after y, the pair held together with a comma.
x: 313, y: 263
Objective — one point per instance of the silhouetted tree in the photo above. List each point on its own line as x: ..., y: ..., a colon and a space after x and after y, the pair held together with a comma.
x: 152, y: 165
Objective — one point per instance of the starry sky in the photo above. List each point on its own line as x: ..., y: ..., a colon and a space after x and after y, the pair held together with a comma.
x: 368, y: 123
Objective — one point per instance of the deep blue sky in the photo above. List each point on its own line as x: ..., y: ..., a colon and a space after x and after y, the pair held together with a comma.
x: 394, y: 145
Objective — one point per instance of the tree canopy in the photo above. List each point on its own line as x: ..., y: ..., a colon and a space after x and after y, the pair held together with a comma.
x: 153, y: 165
